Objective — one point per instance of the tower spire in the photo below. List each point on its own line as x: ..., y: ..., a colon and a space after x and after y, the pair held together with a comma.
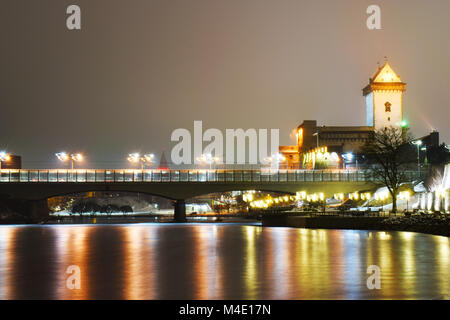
x: 163, y: 164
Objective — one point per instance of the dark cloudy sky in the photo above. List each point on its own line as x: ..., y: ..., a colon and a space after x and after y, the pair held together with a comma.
x: 139, y: 69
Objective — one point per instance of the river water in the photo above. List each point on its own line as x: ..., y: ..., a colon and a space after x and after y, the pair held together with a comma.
x: 218, y: 261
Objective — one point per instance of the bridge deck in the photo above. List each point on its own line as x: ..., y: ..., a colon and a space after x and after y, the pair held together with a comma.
x: 127, y: 175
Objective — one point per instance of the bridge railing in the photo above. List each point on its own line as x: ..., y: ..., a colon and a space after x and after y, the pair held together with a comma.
x: 127, y: 175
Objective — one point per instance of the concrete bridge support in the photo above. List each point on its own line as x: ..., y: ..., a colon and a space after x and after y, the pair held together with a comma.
x: 180, y: 210
x: 38, y: 210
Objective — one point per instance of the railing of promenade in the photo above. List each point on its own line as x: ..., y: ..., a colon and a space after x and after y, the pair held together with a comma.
x: 127, y: 175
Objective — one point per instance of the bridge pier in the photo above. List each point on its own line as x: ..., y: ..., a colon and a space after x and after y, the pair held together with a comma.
x: 180, y: 210
x: 38, y: 210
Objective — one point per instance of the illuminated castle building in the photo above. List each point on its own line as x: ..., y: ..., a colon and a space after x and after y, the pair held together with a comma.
x: 384, y: 108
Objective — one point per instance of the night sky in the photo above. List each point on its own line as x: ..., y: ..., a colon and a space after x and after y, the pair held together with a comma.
x: 137, y: 70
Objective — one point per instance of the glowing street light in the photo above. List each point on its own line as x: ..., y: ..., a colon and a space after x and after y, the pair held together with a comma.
x: 403, y: 124
x: 316, y: 134
x: 276, y: 158
x: 405, y: 195
x: 4, y: 157
x: 146, y: 158
x: 73, y: 157
x: 348, y: 157
x: 208, y: 159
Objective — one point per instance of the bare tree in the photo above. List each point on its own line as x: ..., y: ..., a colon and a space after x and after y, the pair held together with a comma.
x: 390, y: 155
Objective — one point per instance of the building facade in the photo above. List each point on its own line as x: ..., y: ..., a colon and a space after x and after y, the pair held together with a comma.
x: 15, y: 162
x: 384, y: 107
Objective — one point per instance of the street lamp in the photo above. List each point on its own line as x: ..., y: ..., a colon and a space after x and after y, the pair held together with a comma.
x: 73, y: 157
x: 404, y: 127
x: 276, y: 158
x: 405, y: 195
x: 418, y: 143
x: 316, y: 134
x: 146, y: 158
x: 208, y: 159
x: 349, y: 157
x: 4, y: 157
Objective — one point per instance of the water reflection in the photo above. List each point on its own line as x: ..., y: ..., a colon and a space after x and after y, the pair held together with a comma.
x: 71, y: 244
x: 7, y: 236
x: 219, y: 261
x: 140, y: 273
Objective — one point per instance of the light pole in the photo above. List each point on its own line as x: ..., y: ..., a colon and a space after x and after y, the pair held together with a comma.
x: 73, y: 157
x: 4, y: 157
x: 277, y: 158
x: 418, y: 143
x: 146, y: 158
x: 405, y: 195
x: 208, y: 159
x: 404, y: 127
x: 316, y: 134
x: 349, y: 157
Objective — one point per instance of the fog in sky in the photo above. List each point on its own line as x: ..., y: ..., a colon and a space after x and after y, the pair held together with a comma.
x: 137, y: 70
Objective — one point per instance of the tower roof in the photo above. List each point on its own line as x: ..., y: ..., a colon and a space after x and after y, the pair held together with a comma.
x: 385, y: 79
x: 163, y: 164
x: 386, y: 74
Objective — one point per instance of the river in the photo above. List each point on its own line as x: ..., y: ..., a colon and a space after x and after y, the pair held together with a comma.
x: 218, y: 261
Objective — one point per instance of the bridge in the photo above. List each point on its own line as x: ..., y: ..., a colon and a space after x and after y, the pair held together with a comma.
x: 34, y: 187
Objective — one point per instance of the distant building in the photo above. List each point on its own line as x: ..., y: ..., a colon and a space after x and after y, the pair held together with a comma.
x: 15, y: 162
x: 384, y: 107
x: 337, y: 139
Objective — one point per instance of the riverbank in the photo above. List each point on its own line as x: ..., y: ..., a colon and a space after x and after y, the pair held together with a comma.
x: 132, y: 220
x: 424, y: 224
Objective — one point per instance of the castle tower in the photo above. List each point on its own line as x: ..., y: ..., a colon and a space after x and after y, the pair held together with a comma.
x: 384, y: 98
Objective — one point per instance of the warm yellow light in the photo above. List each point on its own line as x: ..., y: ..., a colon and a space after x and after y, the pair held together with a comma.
x: 302, y: 195
x: 133, y: 157
x: 62, y: 156
x: 404, y: 195
x: 77, y: 157
x: 300, y: 137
